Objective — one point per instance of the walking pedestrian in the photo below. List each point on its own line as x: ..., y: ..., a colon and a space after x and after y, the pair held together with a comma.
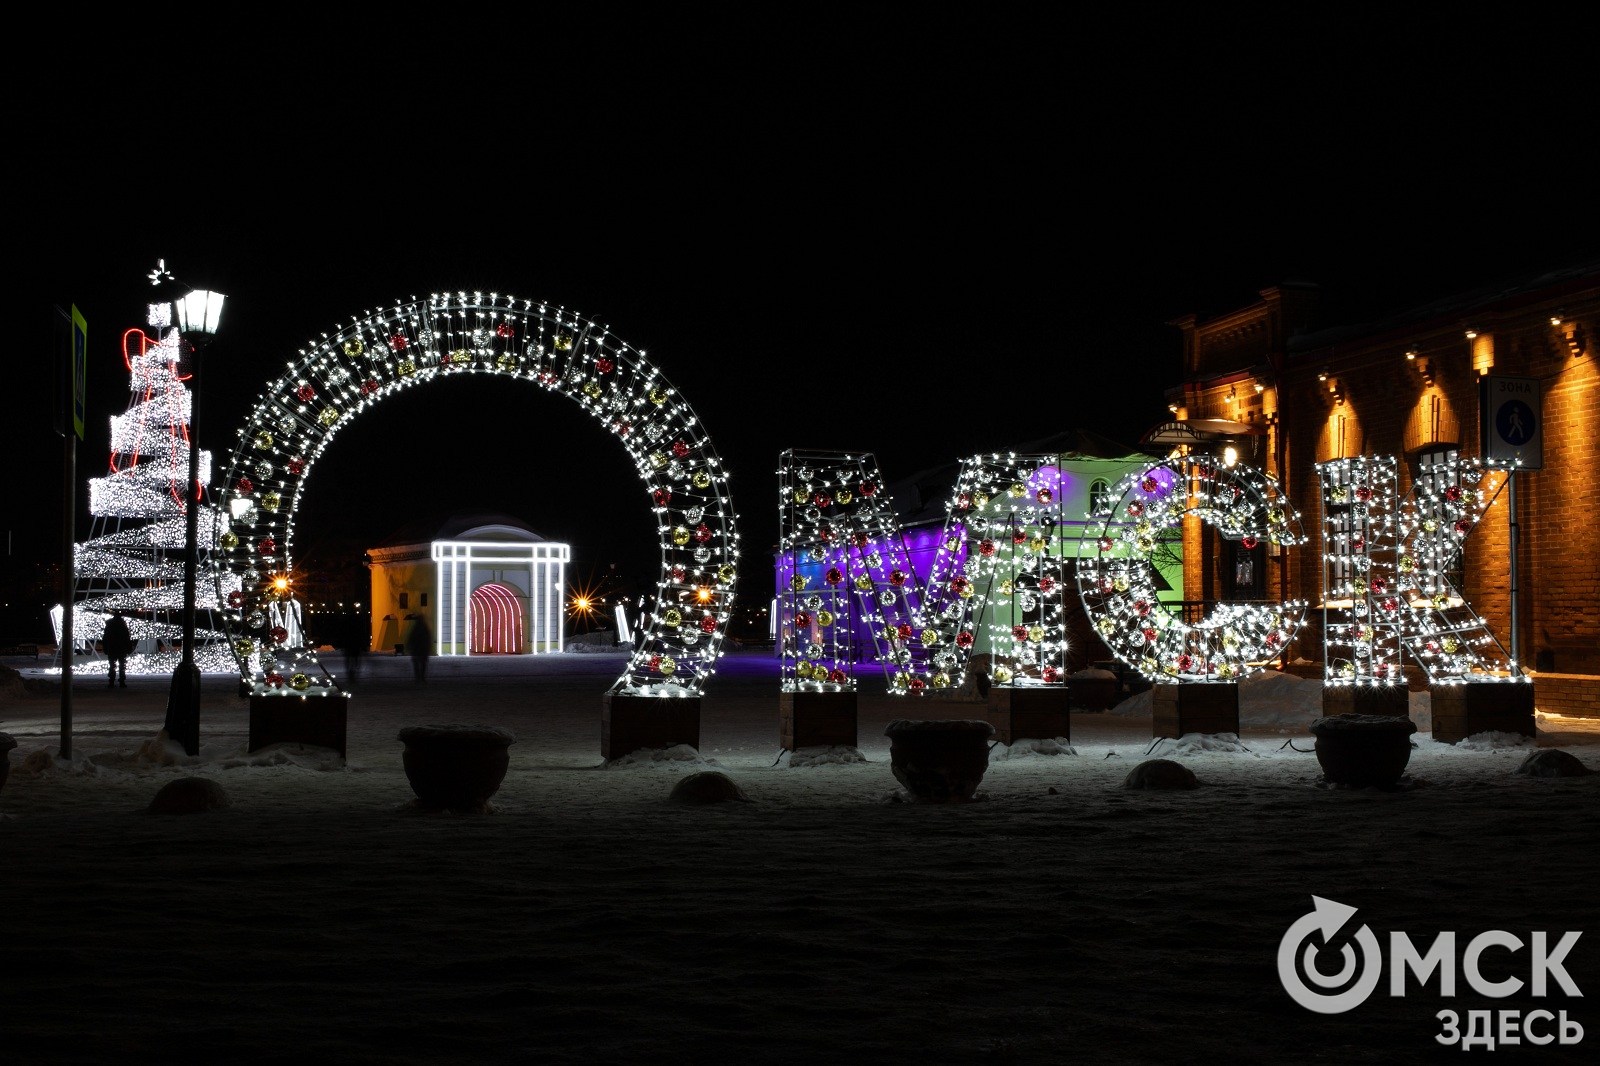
x: 354, y: 639
x: 420, y: 645
x: 118, y: 645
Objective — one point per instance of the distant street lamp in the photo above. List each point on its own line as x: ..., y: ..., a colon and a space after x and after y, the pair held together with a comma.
x: 199, y: 314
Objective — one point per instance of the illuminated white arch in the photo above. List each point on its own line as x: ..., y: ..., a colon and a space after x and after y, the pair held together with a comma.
x: 404, y: 345
x: 496, y: 621
x: 1116, y: 571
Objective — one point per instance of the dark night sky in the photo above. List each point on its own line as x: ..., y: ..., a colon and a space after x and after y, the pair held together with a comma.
x: 866, y: 242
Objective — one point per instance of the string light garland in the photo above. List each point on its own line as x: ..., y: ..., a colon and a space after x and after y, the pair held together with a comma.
x: 407, y: 344
x: 1116, y: 570
x: 998, y: 573
x: 1386, y: 572
x: 852, y: 572
x: 995, y: 581
x: 133, y: 559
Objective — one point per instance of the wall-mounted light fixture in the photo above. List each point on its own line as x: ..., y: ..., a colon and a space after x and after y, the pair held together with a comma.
x: 1472, y: 334
x: 1172, y: 407
x: 1411, y: 355
x: 1323, y: 374
x: 1573, y: 333
x: 1260, y: 388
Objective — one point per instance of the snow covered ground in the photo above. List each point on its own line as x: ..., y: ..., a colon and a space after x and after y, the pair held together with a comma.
x: 322, y: 917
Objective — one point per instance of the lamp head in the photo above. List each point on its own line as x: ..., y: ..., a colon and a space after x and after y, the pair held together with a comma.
x: 199, y: 315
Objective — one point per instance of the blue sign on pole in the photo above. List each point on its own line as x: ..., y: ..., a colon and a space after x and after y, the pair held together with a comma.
x: 1511, y: 420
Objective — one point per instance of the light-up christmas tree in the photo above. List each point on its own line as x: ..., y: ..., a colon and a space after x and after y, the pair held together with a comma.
x: 133, y: 559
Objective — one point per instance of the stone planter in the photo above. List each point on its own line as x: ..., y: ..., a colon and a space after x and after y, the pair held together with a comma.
x: 7, y: 742
x: 455, y: 767
x: 1363, y: 749
x: 939, y: 761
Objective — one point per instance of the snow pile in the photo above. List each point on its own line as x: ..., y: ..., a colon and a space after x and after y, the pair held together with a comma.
x: 1494, y: 740
x: 821, y: 756
x: 1026, y: 748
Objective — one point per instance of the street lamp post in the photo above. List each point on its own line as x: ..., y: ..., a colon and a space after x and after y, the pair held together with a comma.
x: 198, y: 314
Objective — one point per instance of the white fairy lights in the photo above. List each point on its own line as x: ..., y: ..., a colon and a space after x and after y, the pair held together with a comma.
x: 995, y: 581
x: 133, y: 560
x: 1386, y: 572
x: 1115, y: 570
x: 851, y: 572
x: 998, y: 572
x: 408, y: 344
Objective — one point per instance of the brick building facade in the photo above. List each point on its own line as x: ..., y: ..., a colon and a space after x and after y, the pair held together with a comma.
x: 1302, y: 392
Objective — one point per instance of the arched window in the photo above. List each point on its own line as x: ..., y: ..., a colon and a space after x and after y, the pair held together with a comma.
x: 1099, y: 495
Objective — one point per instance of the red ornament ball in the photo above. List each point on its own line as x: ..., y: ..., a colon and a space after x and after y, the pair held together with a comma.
x: 708, y: 624
x: 834, y: 575
x: 245, y: 486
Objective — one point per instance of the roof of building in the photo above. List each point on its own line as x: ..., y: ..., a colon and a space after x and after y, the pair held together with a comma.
x: 477, y: 525
x: 923, y: 496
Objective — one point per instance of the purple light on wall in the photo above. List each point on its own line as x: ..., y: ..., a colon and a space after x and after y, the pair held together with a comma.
x: 1049, y: 477
x: 1164, y: 478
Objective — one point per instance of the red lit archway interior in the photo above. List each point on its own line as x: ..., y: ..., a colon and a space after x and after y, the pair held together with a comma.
x: 496, y: 621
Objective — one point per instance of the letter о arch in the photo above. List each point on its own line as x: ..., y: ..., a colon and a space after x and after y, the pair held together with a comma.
x: 409, y: 344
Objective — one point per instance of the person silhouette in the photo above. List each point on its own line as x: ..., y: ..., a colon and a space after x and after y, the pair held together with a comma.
x: 354, y: 641
x: 420, y: 644
x: 1515, y: 431
x: 118, y: 644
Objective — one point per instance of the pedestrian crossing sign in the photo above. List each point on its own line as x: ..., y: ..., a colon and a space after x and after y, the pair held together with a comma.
x: 1510, y: 417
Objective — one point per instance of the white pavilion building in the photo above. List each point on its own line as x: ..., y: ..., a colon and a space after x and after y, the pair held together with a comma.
x: 485, y: 585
